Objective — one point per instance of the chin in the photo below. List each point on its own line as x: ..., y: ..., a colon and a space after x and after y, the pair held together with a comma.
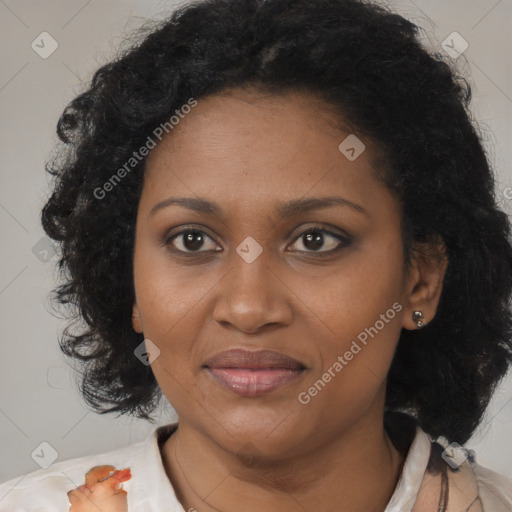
x: 259, y: 431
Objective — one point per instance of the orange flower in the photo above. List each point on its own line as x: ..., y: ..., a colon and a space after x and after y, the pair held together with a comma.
x: 102, y: 491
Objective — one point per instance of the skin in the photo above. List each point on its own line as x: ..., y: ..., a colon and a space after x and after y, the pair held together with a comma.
x: 248, y: 153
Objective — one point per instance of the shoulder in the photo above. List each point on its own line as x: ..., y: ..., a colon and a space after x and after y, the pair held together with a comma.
x: 46, y: 489
x: 470, y: 485
x: 451, y: 479
x: 495, y: 490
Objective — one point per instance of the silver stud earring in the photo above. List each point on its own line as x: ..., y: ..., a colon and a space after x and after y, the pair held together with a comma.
x: 418, y: 317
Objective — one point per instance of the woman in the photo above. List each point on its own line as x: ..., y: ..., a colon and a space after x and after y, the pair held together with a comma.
x: 278, y: 215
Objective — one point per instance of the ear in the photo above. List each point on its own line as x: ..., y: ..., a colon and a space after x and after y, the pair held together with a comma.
x: 425, y: 282
x: 136, y: 320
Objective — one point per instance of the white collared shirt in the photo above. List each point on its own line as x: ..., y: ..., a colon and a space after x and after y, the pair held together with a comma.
x: 149, y: 489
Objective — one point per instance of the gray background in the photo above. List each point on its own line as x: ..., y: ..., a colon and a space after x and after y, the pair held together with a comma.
x: 38, y: 398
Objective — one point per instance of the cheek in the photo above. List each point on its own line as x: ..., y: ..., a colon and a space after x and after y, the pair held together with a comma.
x: 356, y: 353
x: 167, y: 292
x: 172, y: 320
x: 169, y: 303
x: 353, y: 294
x: 359, y: 319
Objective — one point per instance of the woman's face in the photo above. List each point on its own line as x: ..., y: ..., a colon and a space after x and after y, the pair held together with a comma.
x: 240, y: 268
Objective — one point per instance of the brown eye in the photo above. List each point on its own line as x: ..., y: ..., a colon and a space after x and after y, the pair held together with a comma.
x: 192, y: 240
x: 317, y: 238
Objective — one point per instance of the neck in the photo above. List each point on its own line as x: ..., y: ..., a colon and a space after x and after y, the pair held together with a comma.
x: 357, y: 470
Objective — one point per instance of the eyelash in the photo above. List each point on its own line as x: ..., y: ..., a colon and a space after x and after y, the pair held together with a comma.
x: 344, y: 240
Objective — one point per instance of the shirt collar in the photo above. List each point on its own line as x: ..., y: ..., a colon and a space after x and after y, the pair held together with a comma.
x: 409, y: 484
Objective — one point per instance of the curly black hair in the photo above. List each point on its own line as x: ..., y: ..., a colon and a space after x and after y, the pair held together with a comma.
x: 369, y: 65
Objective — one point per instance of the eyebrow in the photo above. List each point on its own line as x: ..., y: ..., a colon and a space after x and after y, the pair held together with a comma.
x: 286, y: 209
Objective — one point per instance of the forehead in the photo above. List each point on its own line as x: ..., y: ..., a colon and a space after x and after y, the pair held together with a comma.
x: 259, y: 120
x: 240, y: 145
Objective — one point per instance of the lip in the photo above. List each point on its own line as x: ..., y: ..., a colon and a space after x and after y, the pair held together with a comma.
x: 253, y: 373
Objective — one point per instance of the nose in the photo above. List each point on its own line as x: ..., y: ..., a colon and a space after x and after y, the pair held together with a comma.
x: 253, y: 297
